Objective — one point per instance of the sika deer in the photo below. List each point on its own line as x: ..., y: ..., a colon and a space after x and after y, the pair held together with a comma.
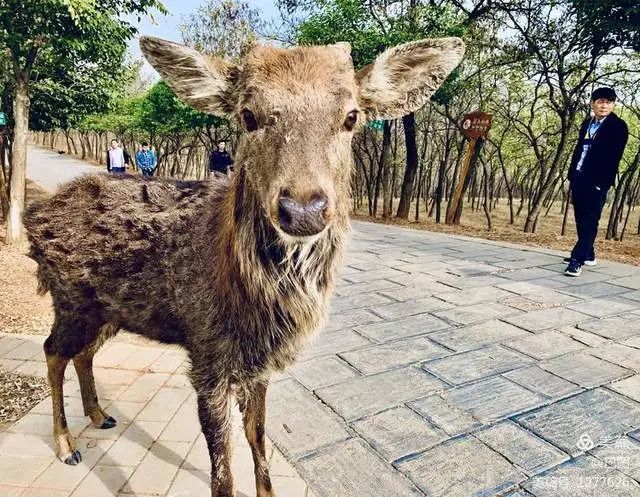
x: 239, y: 273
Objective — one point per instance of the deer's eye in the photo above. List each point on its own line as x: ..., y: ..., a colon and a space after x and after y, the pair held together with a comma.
x: 249, y: 120
x: 351, y: 120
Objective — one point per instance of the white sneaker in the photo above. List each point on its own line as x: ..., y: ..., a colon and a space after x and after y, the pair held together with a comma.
x: 593, y: 262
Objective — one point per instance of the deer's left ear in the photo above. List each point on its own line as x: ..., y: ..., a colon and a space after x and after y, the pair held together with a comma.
x: 402, y: 78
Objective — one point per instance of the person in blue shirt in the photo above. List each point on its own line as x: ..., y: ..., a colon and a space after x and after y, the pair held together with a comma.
x: 593, y: 170
x: 146, y: 160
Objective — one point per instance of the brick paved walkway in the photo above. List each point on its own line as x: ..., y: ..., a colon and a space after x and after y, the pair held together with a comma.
x: 155, y: 450
x: 450, y: 367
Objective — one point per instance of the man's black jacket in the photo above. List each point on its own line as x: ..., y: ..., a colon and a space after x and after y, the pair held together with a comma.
x: 219, y: 161
x: 600, y: 166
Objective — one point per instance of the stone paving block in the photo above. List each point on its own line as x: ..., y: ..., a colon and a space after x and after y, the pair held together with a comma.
x: 632, y: 282
x: 528, y: 452
x: 546, y: 345
x: 475, y: 313
x: 64, y: 477
x: 168, y: 362
x: 588, y: 338
x: 528, y: 274
x: 543, y: 382
x: 111, y: 376
x: 419, y: 290
x: 634, y: 295
x: 476, y: 364
x: 155, y: 473
x: 622, y: 454
x: 474, y: 295
x: 585, y: 370
x: 332, y: 342
x: 629, y: 387
x: 473, y: 281
x: 8, y: 343
x: 351, y: 469
x: 22, y: 470
x: 144, y: 388
x: 39, y: 369
x: 322, y: 372
x: 378, y: 358
x: 359, y: 300
x: 164, y: 404
x: 526, y: 287
x: 493, y: 399
x: 39, y: 492
x: 477, y: 335
x: 26, y: 445
x: 103, y: 481
x: 461, y: 468
x: 359, y: 397
x: 587, y: 277
x: 622, y: 355
x: 441, y: 413
x: 42, y: 424
x: 583, y: 477
x: 376, y: 274
x: 547, y: 319
x: 191, y: 482
x: 525, y: 304
x: 613, y: 327
x: 410, y: 308
x: 349, y: 319
x: 632, y: 342
x: 297, y: 423
x: 363, y: 288
x: 594, y: 290
x: 130, y: 448
x: 25, y: 351
x: 399, y: 432
x: 603, y: 307
x: 113, y: 354
x: 596, y: 415
x: 386, y: 331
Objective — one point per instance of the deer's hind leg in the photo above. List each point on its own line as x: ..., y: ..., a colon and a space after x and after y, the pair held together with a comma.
x: 69, y: 337
x: 83, y: 362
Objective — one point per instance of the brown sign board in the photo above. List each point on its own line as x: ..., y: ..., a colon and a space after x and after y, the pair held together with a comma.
x: 476, y: 124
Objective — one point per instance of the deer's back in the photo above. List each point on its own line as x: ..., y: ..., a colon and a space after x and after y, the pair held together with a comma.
x: 110, y: 240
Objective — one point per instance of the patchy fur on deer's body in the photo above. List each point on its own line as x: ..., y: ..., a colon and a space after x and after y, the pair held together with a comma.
x: 239, y: 273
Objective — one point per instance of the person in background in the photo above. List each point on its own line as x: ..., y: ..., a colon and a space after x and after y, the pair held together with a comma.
x: 115, y: 158
x: 220, y: 162
x: 593, y: 170
x: 146, y: 160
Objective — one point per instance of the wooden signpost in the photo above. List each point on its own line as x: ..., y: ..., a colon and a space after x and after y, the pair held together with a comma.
x: 475, y: 127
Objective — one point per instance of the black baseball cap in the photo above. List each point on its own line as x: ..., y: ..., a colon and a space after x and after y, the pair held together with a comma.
x: 604, y: 92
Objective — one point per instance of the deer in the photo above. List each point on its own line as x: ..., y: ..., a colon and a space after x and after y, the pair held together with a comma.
x: 240, y: 271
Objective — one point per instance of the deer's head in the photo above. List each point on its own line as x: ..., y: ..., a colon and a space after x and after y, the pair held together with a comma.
x: 299, y: 108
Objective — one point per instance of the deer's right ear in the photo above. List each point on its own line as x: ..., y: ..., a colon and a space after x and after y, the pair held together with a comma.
x: 203, y: 82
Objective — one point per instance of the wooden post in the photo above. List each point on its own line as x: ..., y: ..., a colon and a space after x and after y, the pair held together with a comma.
x: 475, y: 127
x: 464, y: 172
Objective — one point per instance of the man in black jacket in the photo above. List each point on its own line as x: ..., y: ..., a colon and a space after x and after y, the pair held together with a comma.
x: 593, y: 170
x: 220, y: 161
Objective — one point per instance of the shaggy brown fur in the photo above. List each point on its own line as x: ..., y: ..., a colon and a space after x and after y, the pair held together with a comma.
x: 238, y: 273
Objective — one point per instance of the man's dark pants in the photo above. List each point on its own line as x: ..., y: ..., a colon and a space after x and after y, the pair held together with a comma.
x: 588, y: 203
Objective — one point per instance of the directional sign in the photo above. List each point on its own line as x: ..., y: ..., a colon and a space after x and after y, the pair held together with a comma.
x: 476, y: 124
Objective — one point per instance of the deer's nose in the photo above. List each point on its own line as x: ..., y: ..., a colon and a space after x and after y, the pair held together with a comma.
x: 302, y: 218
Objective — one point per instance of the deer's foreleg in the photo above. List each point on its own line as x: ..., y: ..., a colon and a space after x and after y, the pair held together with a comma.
x: 253, y: 407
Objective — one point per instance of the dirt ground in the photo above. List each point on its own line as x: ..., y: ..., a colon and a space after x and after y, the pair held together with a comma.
x: 548, y: 231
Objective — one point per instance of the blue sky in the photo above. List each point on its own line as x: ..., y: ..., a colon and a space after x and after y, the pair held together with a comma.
x: 167, y: 26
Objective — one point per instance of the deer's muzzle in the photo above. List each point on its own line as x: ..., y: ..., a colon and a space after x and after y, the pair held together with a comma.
x: 302, y: 218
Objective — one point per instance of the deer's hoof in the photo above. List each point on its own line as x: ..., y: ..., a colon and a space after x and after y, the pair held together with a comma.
x: 73, y: 459
x: 109, y: 422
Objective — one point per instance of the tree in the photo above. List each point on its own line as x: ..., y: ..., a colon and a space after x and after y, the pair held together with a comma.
x: 71, y: 30
x: 224, y: 28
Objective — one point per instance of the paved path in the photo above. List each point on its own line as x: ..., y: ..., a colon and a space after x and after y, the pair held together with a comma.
x: 50, y: 169
x: 454, y: 367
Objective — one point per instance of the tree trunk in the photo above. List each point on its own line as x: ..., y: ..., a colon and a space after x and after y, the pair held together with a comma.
x: 409, y: 124
x: 18, y: 159
x: 384, y: 159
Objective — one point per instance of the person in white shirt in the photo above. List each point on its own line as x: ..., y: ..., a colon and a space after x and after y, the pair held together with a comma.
x: 115, y: 159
